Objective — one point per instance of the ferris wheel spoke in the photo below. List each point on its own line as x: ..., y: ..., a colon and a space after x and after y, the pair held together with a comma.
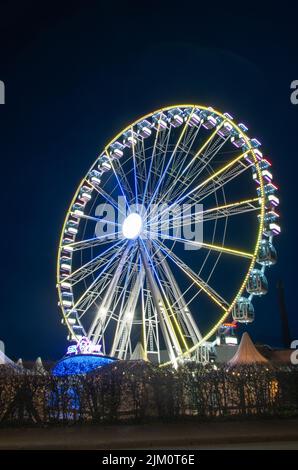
x: 112, y: 162
x: 176, y: 189
x: 163, y: 307
x: 181, y: 155
x: 91, y: 287
x: 95, y: 241
x: 211, y: 178
x: 178, y: 303
x: 212, y: 294
x: 150, y: 165
x: 208, y: 246
x: 94, y: 264
x: 107, y: 197
x: 97, y: 219
x: 195, y: 158
x: 234, y: 208
x: 174, y: 171
x: 141, y: 167
x: 135, y: 177
x: 219, y: 183
x: 173, y: 153
x: 214, y: 213
x: 98, y: 324
x: 124, y: 326
x: 126, y: 185
x: 201, y: 164
x: 159, y: 159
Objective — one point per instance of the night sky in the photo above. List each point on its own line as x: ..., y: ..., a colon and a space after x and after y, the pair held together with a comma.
x: 76, y: 75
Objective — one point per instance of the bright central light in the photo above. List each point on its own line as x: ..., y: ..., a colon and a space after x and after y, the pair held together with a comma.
x: 132, y: 226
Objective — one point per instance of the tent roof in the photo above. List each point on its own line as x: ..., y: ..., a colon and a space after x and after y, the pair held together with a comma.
x: 247, y: 353
x: 138, y: 353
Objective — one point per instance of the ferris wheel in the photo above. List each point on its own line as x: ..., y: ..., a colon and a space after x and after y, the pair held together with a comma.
x: 168, y: 236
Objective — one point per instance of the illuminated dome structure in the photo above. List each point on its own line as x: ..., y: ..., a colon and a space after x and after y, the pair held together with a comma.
x: 81, y: 358
x: 135, y: 264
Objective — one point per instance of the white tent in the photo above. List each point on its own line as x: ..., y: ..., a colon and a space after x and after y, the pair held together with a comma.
x: 38, y: 367
x: 138, y: 353
x: 247, y: 353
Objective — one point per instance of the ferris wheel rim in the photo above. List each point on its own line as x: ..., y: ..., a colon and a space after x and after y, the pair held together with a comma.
x: 260, y: 228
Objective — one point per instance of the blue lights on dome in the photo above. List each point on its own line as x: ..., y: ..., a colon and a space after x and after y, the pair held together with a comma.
x: 80, y: 364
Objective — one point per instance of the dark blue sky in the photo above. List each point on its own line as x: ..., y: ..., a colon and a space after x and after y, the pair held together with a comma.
x: 76, y: 75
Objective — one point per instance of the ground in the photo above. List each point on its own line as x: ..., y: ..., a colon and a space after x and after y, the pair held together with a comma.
x: 248, y: 434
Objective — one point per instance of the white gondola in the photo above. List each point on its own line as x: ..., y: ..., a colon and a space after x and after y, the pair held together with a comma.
x: 65, y: 264
x: 68, y: 239
x: 243, y: 127
x: 269, y: 188
x: 160, y: 121
x: 271, y: 225
x: 95, y: 177
x: 228, y: 116
x: 144, y: 129
x: 67, y: 294
x: 176, y: 117
x: 249, y: 157
x: 238, y: 141
x: 66, y: 246
x: 271, y: 216
x: 267, y: 175
x: 255, y: 143
x: 67, y: 250
x: 77, y: 209
x: 70, y: 313
x: 258, y: 154
x: 129, y: 138
x: 71, y: 230
x: 257, y: 283
x: 116, y: 150
x: 104, y: 164
x: 195, y: 117
x: 71, y: 321
x: 78, y: 212
x: 267, y: 255
x: 72, y: 226
x: 85, y: 194
x: 264, y: 166
x: 209, y: 122
x: 271, y: 201
x: 243, y: 311
x: 67, y: 299
x: 271, y: 229
x: 79, y: 205
x: 65, y: 284
x: 225, y: 130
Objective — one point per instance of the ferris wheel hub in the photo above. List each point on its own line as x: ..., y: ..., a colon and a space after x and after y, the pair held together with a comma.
x: 132, y: 226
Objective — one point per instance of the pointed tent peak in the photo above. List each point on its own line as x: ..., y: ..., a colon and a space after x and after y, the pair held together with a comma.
x: 247, y: 353
x: 138, y: 353
x: 39, y: 367
x: 20, y: 362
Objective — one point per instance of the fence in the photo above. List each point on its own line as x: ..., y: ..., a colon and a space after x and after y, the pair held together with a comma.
x: 137, y: 391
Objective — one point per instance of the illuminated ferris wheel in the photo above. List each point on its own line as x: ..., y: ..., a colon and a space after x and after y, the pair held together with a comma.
x: 168, y: 236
